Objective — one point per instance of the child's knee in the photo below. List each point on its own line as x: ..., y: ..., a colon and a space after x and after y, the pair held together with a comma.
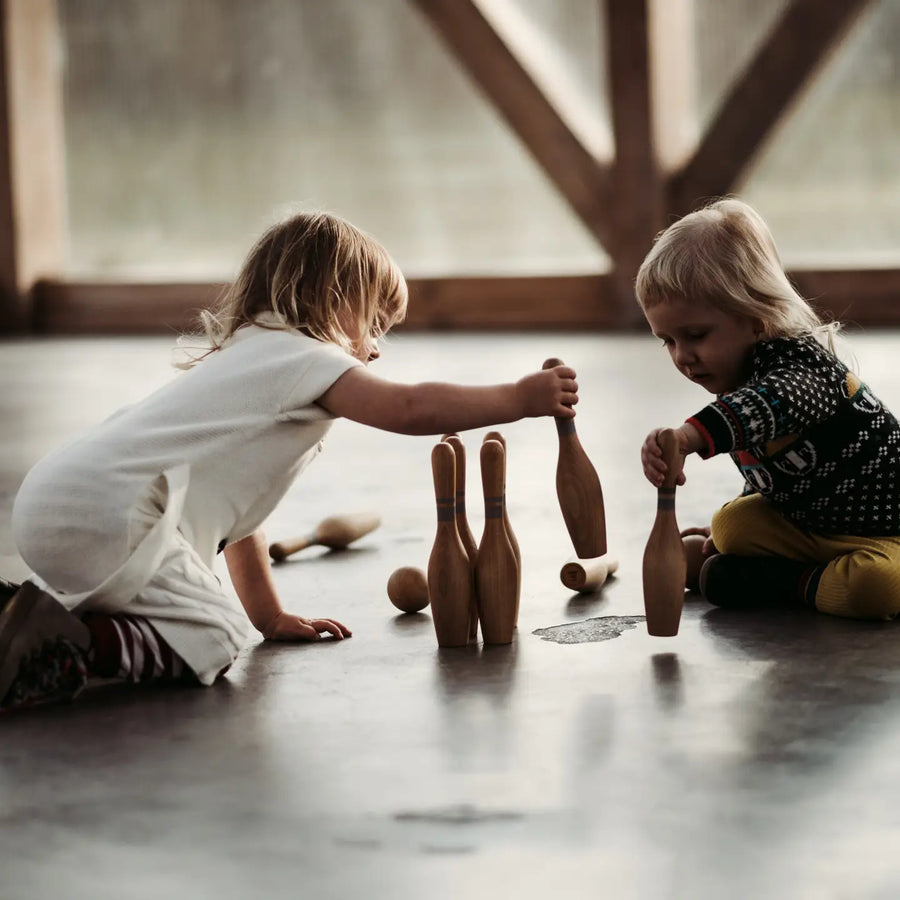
x: 874, y: 591
x: 866, y: 586
x: 729, y: 531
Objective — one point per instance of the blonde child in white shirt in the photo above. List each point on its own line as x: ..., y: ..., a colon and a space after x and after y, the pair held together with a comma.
x: 121, y: 526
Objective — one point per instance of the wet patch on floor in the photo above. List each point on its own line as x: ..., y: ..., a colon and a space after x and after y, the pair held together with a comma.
x: 603, y: 628
x: 447, y: 851
x: 455, y: 830
x: 461, y: 814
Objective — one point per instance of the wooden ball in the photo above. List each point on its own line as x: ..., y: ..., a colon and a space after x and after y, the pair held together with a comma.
x: 693, y: 554
x: 408, y: 589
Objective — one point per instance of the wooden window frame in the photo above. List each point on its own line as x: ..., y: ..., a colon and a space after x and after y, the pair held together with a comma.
x: 623, y: 202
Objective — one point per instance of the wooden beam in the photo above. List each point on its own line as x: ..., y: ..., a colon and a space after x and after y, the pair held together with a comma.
x: 32, y: 161
x: 563, y: 302
x: 866, y: 297
x: 578, y: 176
x: 795, y: 48
x: 637, y: 197
x: 111, y: 308
x: 511, y: 303
x: 13, y: 315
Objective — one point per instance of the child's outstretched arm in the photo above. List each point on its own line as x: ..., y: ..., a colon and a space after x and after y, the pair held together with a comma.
x: 689, y: 441
x: 251, y: 575
x: 434, y: 408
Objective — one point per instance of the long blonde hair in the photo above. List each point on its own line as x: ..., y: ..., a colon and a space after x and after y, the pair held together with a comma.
x: 313, y: 273
x: 724, y: 254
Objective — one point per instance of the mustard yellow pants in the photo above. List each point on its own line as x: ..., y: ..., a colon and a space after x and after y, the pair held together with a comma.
x: 860, y: 577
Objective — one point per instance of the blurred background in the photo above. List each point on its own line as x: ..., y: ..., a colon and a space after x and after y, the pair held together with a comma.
x: 151, y: 141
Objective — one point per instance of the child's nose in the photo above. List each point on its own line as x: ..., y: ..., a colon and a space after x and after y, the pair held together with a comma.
x: 684, y: 356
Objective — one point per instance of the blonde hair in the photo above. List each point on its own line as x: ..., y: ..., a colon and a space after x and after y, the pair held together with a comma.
x: 314, y: 273
x: 724, y: 254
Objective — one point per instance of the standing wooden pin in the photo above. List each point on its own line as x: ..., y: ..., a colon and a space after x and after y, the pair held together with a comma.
x: 449, y: 575
x: 462, y: 523
x: 578, y: 489
x: 495, y: 570
x: 664, y: 567
x: 510, y: 534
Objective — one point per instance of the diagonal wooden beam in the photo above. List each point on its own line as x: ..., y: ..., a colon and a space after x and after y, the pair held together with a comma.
x: 796, y: 46
x: 577, y: 175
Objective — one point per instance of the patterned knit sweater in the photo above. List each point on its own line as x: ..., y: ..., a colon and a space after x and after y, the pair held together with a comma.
x: 812, y: 439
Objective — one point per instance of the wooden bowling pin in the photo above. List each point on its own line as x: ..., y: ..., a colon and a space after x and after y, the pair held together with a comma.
x: 407, y: 589
x: 510, y: 534
x: 462, y: 523
x: 335, y: 532
x: 665, y: 568
x: 587, y: 575
x: 449, y: 575
x: 496, y: 573
x: 578, y: 489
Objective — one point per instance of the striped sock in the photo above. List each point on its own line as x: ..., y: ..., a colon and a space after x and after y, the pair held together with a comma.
x: 809, y: 585
x: 129, y: 647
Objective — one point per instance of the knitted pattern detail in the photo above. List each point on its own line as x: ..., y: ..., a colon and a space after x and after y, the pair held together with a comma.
x: 809, y: 436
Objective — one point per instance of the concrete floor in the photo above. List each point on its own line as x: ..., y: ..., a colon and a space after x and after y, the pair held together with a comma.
x: 753, y: 755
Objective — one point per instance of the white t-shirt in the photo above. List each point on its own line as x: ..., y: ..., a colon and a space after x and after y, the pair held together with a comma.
x: 215, y: 449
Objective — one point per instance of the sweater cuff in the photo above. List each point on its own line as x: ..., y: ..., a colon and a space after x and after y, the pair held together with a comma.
x: 709, y: 450
x: 716, y: 425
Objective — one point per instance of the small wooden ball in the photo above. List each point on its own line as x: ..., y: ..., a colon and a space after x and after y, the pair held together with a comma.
x: 408, y: 589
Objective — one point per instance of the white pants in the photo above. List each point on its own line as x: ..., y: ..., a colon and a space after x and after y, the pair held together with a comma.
x: 157, y: 575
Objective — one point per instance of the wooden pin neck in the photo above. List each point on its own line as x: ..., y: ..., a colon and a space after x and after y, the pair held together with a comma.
x: 459, y: 452
x: 665, y: 499
x: 671, y: 451
x: 446, y: 511
x: 565, y: 427
x: 443, y: 469
x: 493, y: 472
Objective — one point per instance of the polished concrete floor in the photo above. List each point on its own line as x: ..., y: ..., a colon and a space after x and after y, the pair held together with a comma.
x: 753, y: 755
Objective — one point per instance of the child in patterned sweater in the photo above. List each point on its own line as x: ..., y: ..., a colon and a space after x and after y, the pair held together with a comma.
x: 818, y: 521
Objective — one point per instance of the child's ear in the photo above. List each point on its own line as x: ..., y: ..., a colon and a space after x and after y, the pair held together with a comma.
x: 759, y: 329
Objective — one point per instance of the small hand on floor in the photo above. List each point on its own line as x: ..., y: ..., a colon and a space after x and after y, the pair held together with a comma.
x: 287, y: 627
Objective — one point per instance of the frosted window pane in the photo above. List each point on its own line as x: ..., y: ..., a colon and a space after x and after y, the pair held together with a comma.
x: 192, y: 124
x: 829, y: 183
x: 727, y: 34
x: 562, y: 46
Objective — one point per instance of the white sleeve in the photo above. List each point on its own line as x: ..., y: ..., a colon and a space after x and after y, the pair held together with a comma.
x: 320, y: 369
